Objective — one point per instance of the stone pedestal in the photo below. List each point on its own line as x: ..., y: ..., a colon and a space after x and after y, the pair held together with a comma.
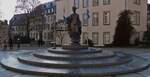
x: 75, y: 47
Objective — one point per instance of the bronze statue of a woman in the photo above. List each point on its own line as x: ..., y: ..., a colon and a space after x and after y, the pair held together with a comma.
x: 74, y: 27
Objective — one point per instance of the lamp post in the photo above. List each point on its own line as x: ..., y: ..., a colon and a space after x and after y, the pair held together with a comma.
x: 54, y: 27
x: 18, y: 42
x: 41, y: 29
x: 54, y: 34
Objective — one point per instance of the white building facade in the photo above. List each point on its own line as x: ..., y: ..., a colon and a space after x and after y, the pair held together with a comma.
x: 41, y: 23
x: 99, y: 17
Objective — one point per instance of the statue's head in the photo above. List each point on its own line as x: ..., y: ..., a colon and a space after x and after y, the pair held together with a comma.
x: 74, y: 9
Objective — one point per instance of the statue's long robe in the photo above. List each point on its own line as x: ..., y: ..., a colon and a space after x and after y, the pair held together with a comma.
x: 74, y: 23
x: 74, y: 27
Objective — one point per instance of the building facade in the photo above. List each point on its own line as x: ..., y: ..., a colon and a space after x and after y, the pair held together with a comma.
x: 63, y: 9
x: 50, y: 19
x: 41, y: 20
x: 18, y: 25
x: 3, y: 34
x: 148, y: 16
x: 36, y: 22
x: 99, y: 17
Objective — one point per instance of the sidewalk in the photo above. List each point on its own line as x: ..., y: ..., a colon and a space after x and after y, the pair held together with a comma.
x: 24, y: 47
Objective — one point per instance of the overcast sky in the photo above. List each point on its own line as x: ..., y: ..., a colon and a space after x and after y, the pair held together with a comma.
x: 7, y: 8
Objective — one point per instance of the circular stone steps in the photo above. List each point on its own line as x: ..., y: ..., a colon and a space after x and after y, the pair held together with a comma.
x: 29, y: 59
x: 67, y: 63
x: 134, y: 66
x: 92, y: 56
x: 75, y: 52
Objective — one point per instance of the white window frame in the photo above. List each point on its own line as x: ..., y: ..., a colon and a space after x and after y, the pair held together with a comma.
x: 85, y: 3
x: 106, y: 38
x: 95, y: 38
x: 135, y: 18
x: 106, y: 18
x: 138, y: 2
x: 77, y: 3
x: 95, y: 19
x: 96, y: 2
x: 106, y: 2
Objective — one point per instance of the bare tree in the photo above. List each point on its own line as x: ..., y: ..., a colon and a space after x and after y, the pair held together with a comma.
x: 60, y: 35
x: 61, y: 31
x: 26, y: 6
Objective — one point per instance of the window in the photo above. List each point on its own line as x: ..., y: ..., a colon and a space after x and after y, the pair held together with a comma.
x: 133, y: 19
x: 85, y: 19
x: 48, y: 27
x: 45, y: 35
x: 77, y: 3
x: 85, y: 3
x: 136, y: 18
x: 148, y: 17
x: 36, y: 36
x: 52, y: 10
x: 95, y: 19
x: 106, y: 2
x: 106, y: 18
x: 49, y: 19
x: 106, y: 38
x: 138, y: 2
x: 49, y: 36
x: 95, y: 38
x: 95, y: 2
x: 138, y: 35
x: 49, y: 10
x: 84, y: 37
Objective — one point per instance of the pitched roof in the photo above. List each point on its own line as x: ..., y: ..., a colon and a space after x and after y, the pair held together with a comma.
x: 18, y: 20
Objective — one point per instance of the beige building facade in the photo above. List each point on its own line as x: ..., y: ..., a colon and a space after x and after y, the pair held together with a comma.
x: 99, y: 17
x: 148, y: 15
x: 48, y: 32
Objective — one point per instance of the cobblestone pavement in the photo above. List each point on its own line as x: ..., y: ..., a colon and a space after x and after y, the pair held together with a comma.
x: 138, y: 51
